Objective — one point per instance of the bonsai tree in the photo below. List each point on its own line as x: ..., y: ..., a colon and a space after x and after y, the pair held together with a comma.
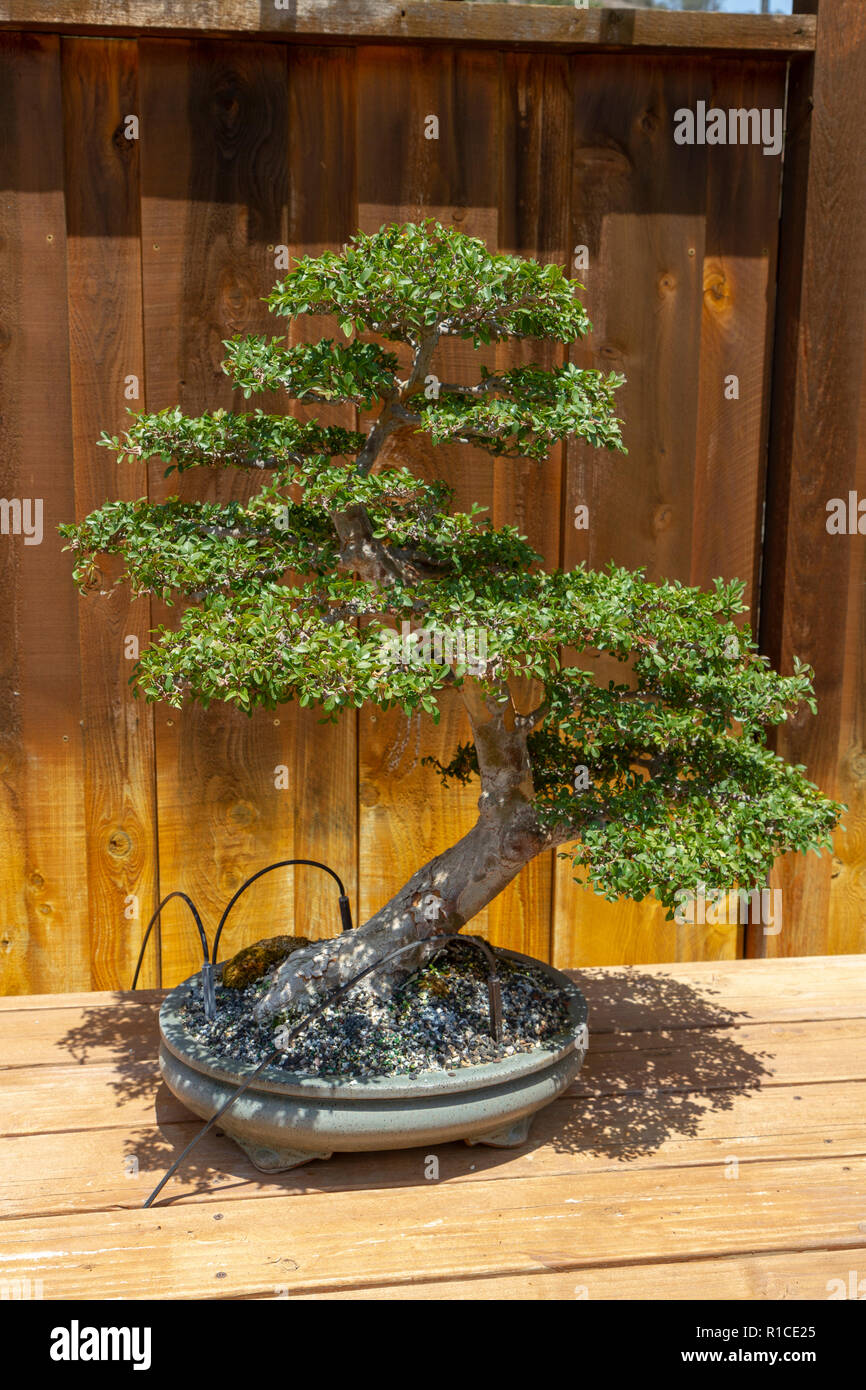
x: 346, y: 581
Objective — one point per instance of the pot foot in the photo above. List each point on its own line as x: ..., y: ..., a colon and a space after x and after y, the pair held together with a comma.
x: 276, y: 1160
x: 510, y: 1137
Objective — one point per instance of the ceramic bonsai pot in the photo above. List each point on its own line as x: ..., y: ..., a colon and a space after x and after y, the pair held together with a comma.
x: 285, y: 1119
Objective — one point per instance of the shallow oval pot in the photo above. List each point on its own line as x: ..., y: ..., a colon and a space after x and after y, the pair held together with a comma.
x: 286, y: 1119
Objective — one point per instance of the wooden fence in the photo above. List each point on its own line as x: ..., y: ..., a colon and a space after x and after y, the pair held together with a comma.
x: 127, y: 261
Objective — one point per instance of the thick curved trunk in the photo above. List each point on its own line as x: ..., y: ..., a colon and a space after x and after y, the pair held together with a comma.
x: 449, y: 890
x: 442, y: 896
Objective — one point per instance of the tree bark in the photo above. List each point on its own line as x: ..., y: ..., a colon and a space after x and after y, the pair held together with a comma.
x: 449, y: 890
x: 446, y: 892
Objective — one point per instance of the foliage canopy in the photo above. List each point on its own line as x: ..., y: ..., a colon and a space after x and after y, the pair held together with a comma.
x: 296, y: 593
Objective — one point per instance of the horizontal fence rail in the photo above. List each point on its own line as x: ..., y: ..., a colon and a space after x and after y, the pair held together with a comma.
x: 402, y: 21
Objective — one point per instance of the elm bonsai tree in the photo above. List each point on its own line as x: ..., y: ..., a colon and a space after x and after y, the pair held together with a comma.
x: 660, y: 783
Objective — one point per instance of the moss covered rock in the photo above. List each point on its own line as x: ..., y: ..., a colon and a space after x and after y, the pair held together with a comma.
x: 262, y: 956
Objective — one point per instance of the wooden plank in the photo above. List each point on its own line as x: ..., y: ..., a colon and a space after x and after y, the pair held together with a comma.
x: 96, y: 1095
x: 710, y: 994
x: 214, y: 199
x: 639, y: 208
x: 796, y: 1275
x: 766, y: 1054
x: 817, y: 454
x: 694, y: 995
x: 651, y: 1067
x: 533, y: 222
x: 322, y: 217
x: 100, y: 89
x: 404, y: 20
x: 119, y: 1165
x: 739, y: 274
x: 90, y: 1037
x: 845, y: 917
x: 333, y: 1241
x: 90, y: 1033
x: 61, y: 1004
x: 44, y: 920
x: 404, y: 818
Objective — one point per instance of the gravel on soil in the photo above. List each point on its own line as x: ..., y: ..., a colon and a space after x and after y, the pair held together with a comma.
x: 438, y: 1020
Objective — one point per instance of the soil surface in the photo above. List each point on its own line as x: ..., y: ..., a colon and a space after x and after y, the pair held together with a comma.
x: 439, y: 1020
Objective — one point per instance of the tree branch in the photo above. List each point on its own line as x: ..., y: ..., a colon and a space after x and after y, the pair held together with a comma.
x: 421, y: 363
x: 481, y: 388
x: 384, y: 424
x: 393, y: 414
x: 531, y: 721
x: 485, y: 320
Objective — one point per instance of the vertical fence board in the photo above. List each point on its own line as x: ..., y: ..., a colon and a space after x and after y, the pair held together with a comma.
x: 813, y: 600
x: 643, y: 293
x: 100, y: 89
x: 404, y: 817
x: 214, y: 198
x: 44, y: 943
x: 739, y: 282
x: 736, y: 337
x: 322, y: 217
x: 846, y: 924
x: 535, y: 189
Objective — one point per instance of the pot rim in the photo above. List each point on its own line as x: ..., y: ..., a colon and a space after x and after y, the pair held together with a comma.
x: 279, y: 1082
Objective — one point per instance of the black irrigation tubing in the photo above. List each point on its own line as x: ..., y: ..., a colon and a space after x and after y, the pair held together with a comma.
x: 193, y: 909
x: 495, y: 1010
x: 208, y: 959
x: 345, y: 909
x: 211, y: 1122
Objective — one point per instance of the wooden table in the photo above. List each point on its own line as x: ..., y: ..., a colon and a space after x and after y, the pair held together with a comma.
x: 713, y: 1147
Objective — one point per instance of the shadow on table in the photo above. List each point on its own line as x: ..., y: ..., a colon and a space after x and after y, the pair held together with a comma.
x: 662, y: 1056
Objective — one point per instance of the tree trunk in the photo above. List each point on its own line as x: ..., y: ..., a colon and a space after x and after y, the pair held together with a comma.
x: 449, y: 890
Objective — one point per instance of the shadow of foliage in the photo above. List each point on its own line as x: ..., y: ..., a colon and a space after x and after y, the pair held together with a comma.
x: 662, y: 1056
